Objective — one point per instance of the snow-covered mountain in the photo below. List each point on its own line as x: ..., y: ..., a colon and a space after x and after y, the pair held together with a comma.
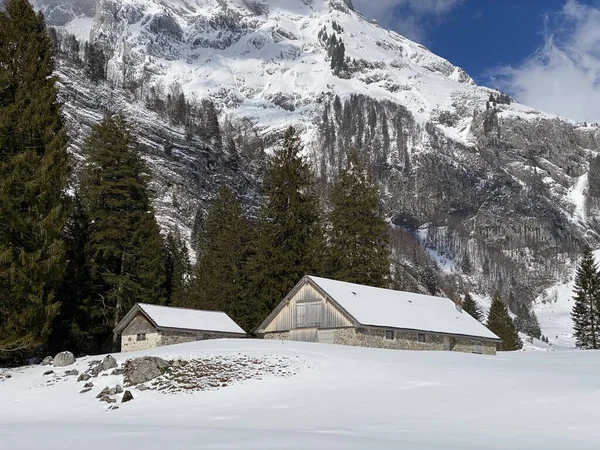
x: 471, y: 173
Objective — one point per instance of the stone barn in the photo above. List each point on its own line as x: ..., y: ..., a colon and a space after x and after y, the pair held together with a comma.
x: 148, y: 326
x: 336, y: 312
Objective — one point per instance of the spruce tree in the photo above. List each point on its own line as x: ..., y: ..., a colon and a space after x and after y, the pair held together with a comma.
x: 177, y: 270
x: 125, y: 247
x: 358, y: 236
x: 586, y: 308
x: 470, y: 305
x: 224, y: 245
x: 288, y: 235
x: 500, y: 323
x: 34, y: 169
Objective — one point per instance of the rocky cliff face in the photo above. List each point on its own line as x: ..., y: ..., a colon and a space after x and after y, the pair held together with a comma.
x: 474, y: 176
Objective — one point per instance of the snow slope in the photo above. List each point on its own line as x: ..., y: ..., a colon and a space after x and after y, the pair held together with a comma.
x: 343, y: 398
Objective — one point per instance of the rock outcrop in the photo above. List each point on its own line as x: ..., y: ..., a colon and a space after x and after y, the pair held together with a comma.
x: 140, y: 370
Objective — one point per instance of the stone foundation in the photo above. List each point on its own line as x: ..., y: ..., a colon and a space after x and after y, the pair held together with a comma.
x: 278, y: 336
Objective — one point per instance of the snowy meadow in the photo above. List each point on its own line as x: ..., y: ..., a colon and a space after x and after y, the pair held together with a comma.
x: 299, y: 395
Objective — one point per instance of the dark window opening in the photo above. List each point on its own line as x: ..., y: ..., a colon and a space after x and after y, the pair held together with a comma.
x: 389, y: 335
x: 421, y: 337
x: 141, y: 337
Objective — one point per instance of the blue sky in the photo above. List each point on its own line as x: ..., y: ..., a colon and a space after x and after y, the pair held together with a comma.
x: 546, y: 53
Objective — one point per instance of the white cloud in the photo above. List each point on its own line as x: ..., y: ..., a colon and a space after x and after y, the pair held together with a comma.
x: 411, y: 18
x: 562, y: 76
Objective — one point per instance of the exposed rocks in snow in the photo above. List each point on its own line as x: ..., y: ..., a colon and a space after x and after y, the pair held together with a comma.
x: 221, y: 371
x: 106, y: 364
x: 64, y: 359
x: 108, y: 399
x: 103, y: 393
x: 84, y: 377
x: 89, y: 384
x: 117, y: 371
x: 73, y: 372
x: 140, y: 370
x: 4, y: 376
x: 47, y: 361
x: 49, y: 372
x: 127, y: 396
x: 142, y: 387
x: 84, y: 390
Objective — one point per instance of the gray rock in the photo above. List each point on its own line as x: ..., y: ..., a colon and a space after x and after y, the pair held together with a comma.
x: 112, y: 391
x: 107, y: 363
x: 48, y: 360
x: 119, y: 389
x: 49, y: 372
x: 127, y: 396
x: 117, y: 371
x: 107, y: 399
x: 140, y: 370
x: 113, y: 407
x: 73, y: 372
x: 64, y: 359
x: 142, y: 387
x: 84, y: 377
x: 89, y: 384
x: 103, y: 393
x: 84, y: 390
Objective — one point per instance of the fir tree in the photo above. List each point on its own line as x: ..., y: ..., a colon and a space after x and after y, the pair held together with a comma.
x: 586, y: 308
x: 288, y: 231
x: 125, y: 248
x: 34, y: 168
x: 70, y: 330
x: 224, y: 245
x: 358, y: 235
x: 177, y: 270
x: 527, y: 321
x: 500, y: 323
x: 470, y: 305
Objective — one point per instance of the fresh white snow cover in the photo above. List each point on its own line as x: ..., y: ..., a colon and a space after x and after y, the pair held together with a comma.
x: 396, y: 309
x: 190, y: 319
x: 346, y: 398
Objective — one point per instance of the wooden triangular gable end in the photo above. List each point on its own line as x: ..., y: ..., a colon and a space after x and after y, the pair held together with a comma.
x: 306, y: 279
x: 130, y: 316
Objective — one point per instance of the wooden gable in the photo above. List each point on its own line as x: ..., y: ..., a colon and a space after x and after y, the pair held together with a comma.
x: 306, y: 306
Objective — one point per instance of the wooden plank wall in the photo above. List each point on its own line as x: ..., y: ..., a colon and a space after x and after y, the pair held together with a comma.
x: 287, y: 319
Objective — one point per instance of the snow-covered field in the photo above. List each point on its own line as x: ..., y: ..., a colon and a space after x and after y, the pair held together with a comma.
x: 338, y: 398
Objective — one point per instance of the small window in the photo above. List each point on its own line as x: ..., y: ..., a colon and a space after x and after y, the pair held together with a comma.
x: 141, y: 337
x: 421, y: 337
x: 389, y: 335
x: 478, y: 348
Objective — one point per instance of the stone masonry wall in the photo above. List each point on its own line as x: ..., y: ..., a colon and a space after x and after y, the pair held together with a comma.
x: 406, y: 340
x: 129, y: 343
x: 280, y: 336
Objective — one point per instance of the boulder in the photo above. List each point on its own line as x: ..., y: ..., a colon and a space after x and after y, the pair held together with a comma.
x: 84, y: 377
x: 49, y: 372
x: 119, y: 389
x: 117, y: 371
x: 73, y: 372
x: 48, y: 360
x: 104, y: 392
x: 107, y: 363
x: 142, y: 387
x: 89, y: 384
x: 140, y: 370
x: 127, y: 396
x: 84, y: 390
x: 64, y: 359
x: 107, y: 399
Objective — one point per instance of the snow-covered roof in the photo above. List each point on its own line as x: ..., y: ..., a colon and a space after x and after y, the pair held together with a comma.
x: 186, y: 319
x: 406, y: 310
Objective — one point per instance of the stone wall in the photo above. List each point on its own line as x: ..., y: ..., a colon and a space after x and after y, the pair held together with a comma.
x: 408, y: 340
x: 129, y: 343
x: 139, y: 324
x: 278, y: 336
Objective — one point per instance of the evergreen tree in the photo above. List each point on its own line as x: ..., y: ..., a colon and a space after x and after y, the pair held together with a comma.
x: 465, y: 264
x: 125, y: 248
x: 288, y: 233
x: 34, y: 169
x: 527, y: 321
x: 358, y: 235
x: 500, y: 323
x: 70, y: 329
x: 586, y: 308
x: 224, y: 246
x: 177, y: 270
x: 470, y: 305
